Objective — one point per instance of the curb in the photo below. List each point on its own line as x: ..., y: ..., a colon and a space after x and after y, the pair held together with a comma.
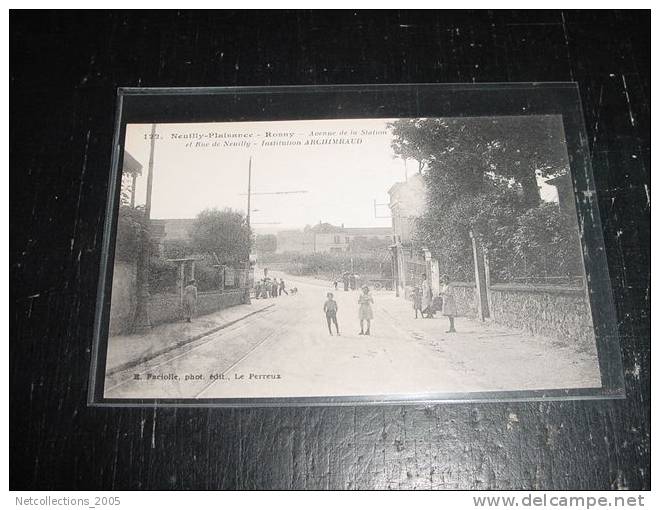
x: 133, y: 363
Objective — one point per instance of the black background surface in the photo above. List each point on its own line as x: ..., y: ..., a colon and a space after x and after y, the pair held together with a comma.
x: 65, y: 68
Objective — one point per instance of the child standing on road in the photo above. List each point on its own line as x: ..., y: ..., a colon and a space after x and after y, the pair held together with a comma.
x: 448, y: 302
x: 417, y: 301
x: 366, y: 313
x: 330, y: 308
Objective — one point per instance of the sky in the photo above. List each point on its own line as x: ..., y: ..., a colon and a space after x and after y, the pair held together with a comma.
x: 205, y: 165
x: 340, y: 182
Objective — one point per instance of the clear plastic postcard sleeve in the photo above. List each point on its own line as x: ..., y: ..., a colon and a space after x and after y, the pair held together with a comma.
x: 358, y: 244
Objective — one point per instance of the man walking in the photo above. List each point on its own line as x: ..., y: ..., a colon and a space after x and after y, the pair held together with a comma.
x: 189, y: 301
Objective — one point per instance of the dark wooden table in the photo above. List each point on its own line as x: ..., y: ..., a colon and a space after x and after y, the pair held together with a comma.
x: 65, y: 68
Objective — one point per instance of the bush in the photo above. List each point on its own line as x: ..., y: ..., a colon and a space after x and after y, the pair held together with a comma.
x: 541, y: 244
x: 176, y: 249
x: 163, y: 276
x: 524, y: 244
x: 332, y: 264
x: 207, y: 277
x: 130, y: 231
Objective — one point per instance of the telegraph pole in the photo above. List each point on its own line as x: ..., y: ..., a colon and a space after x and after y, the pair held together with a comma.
x: 247, y: 220
x: 141, y: 321
x: 249, y: 192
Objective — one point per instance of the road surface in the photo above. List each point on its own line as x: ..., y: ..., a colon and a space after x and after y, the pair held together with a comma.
x: 286, y: 351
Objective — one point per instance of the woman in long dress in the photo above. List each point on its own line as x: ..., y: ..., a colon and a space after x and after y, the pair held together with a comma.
x: 448, y: 302
x: 427, y: 297
x: 366, y: 313
x: 189, y: 300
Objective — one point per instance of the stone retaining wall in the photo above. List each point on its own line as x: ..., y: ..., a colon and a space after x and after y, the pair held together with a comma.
x: 163, y: 307
x: 553, y: 311
x: 167, y: 307
x: 465, y: 297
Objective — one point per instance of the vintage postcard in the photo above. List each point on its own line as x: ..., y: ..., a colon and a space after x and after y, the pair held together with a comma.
x: 381, y: 258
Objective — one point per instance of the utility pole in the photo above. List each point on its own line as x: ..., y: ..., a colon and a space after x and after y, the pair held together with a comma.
x: 133, y: 179
x: 247, y: 219
x: 249, y: 191
x: 141, y: 320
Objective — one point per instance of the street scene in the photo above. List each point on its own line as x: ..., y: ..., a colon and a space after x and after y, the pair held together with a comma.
x: 336, y: 258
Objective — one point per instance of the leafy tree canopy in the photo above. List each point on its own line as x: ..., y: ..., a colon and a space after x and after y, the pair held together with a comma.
x: 131, y: 232
x: 224, y: 233
x: 481, y: 177
x: 462, y: 154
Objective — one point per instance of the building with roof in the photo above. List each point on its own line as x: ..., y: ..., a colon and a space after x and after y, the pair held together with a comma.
x: 407, y: 202
x: 410, y: 260
x: 345, y: 239
x: 327, y: 238
x: 173, y: 229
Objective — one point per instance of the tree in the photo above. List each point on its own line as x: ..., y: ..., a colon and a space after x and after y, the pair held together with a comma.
x: 223, y: 233
x: 481, y: 178
x: 541, y: 242
x: 177, y: 248
x: 461, y: 154
x: 130, y: 233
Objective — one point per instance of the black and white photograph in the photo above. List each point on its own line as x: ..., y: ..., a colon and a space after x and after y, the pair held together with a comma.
x: 263, y: 250
x: 348, y: 257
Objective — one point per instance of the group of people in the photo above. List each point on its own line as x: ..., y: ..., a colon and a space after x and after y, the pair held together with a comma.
x: 267, y: 288
x: 350, y: 281
x: 365, y: 311
x: 427, y: 305
x: 424, y: 303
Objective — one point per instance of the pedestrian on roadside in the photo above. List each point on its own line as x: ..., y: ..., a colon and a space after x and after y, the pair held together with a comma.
x: 283, y: 287
x: 275, y: 289
x: 346, y: 281
x: 448, y: 302
x: 417, y: 301
x: 257, y: 289
x: 330, y: 308
x: 190, y: 300
x: 366, y: 313
x: 335, y: 284
x: 427, y: 298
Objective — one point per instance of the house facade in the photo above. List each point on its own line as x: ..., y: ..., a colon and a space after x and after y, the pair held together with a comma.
x: 327, y: 238
x: 407, y: 202
x: 410, y: 260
